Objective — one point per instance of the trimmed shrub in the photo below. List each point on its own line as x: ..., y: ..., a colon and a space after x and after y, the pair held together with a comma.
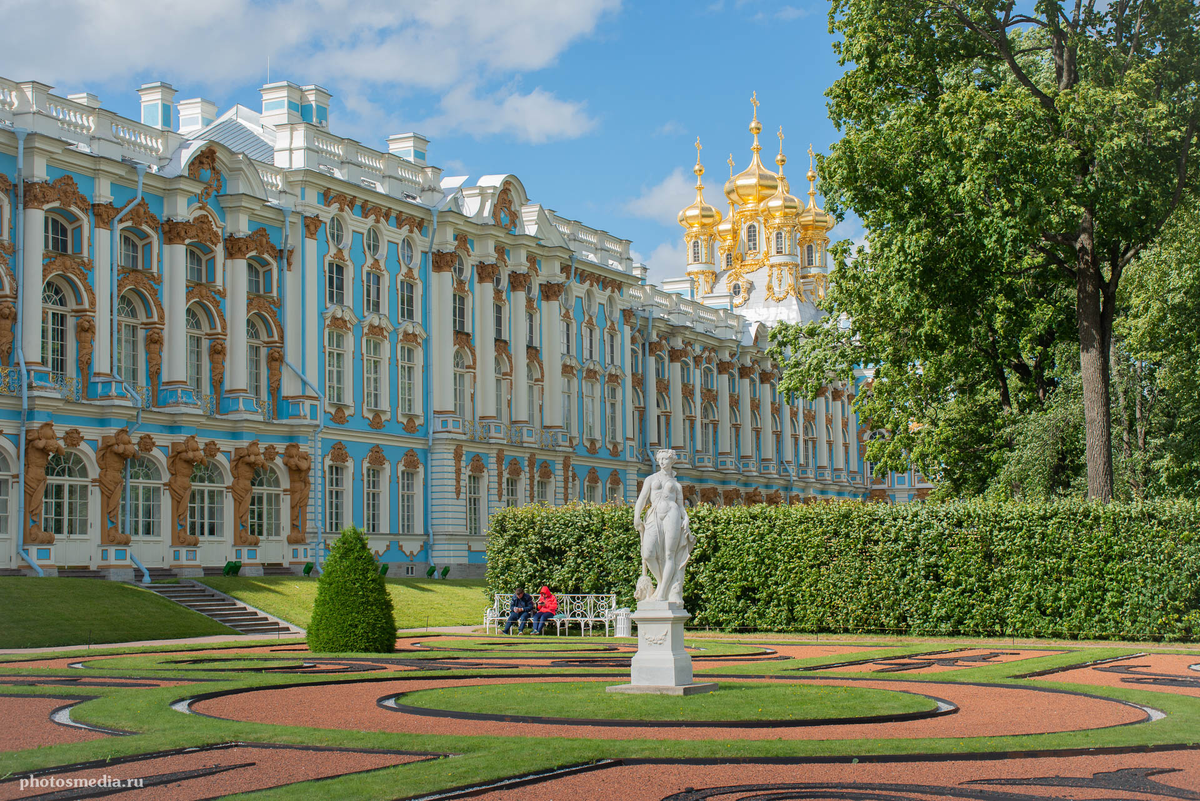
x: 353, y: 611
x: 1066, y: 569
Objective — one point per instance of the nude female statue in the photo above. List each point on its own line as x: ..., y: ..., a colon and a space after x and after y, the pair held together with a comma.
x: 667, y: 538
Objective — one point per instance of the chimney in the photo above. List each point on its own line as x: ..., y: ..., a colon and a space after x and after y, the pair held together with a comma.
x: 409, y: 146
x: 157, y: 110
x: 85, y: 99
x: 195, y: 114
x: 314, y: 106
x: 280, y: 103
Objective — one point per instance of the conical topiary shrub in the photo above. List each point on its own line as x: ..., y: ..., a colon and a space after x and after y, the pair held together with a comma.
x: 353, y: 611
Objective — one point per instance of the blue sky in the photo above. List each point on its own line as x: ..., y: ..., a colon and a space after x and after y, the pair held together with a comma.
x: 594, y: 104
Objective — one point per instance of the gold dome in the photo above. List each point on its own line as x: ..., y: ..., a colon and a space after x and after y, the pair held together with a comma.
x: 756, y: 183
x: 781, y: 204
x: 699, y: 214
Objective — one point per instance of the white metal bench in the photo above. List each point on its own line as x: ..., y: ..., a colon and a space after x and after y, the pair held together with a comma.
x: 584, y: 610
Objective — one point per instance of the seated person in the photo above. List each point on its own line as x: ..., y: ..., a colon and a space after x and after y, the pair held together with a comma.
x: 547, y: 605
x: 520, y: 608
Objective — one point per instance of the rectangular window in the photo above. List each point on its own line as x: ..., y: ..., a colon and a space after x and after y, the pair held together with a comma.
x: 195, y: 363
x: 543, y: 491
x: 408, y: 379
x: 512, y: 492
x: 145, y: 501
x: 567, y: 411
x: 335, y: 368
x: 460, y: 312
x: 335, y: 284
x: 498, y: 319
x: 612, y: 350
x: 408, y: 502
x: 127, y: 352
x: 589, y: 343
x: 335, y: 498
x: 206, y: 510
x: 474, y: 504
x: 589, y: 410
x: 460, y: 394
x: 373, y: 373
x: 258, y: 387
x: 530, y: 329
x: 195, y: 266
x: 54, y: 341
x: 264, y: 513
x: 614, y: 404
x: 591, y: 493
x: 566, y: 338
x: 407, y: 300
x: 373, y: 501
x: 373, y: 293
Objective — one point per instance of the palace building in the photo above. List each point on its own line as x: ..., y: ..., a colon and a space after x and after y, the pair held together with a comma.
x: 225, y: 336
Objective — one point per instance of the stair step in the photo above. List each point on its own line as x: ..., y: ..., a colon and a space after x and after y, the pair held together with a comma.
x: 216, y: 607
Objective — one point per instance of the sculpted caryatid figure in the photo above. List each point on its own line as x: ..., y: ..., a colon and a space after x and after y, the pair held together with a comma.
x: 113, y: 453
x: 666, y: 535
x: 244, y: 464
x: 298, y: 464
x: 39, y: 447
x: 184, y: 456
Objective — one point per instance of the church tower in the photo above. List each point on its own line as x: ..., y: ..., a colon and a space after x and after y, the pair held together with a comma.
x: 699, y: 221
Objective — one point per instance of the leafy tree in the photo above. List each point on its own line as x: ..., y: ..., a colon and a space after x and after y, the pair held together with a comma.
x: 1008, y: 167
x: 353, y: 611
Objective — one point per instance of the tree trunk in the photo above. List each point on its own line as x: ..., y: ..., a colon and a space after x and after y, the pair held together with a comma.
x: 1095, y: 336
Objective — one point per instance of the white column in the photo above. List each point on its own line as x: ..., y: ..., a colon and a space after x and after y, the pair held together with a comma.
x: 785, y: 430
x: 747, y: 449
x: 839, y: 436
x: 724, y: 432
x: 674, y: 356
x: 309, y: 302
x: 764, y: 413
x: 629, y: 320
x: 852, y: 437
x: 485, y: 341
x: 175, y: 331
x: 293, y: 324
x: 520, y: 339
x: 441, y: 370
x: 236, y: 381
x: 552, y: 386
x: 652, y: 398
x: 31, y: 292
x: 819, y: 426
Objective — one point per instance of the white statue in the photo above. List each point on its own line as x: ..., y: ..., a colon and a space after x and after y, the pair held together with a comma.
x: 667, y: 538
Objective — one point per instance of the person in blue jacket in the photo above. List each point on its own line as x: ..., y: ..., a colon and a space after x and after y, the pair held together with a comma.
x: 519, y: 610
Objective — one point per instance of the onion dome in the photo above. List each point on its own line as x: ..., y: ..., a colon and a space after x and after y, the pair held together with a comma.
x: 781, y: 204
x: 699, y: 214
x: 812, y: 215
x: 756, y: 183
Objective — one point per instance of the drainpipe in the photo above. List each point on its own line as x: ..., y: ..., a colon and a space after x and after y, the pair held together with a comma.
x: 648, y: 396
x: 287, y: 226
x: 20, y: 353
x: 428, y: 392
x: 129, y: 388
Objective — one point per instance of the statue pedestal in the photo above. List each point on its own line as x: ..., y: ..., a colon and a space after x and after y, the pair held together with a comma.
x: 661, y: 665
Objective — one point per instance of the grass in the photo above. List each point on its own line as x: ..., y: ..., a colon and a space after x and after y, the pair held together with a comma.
x: 418, y: 602
x: 47, y: 612
x: 733, y: 701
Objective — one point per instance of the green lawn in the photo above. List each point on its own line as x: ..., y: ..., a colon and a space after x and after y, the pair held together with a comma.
x: 44, y: 612
x: 418, y: 602
x: 733, y: 701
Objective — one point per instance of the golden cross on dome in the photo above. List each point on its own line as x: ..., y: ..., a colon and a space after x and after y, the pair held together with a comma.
x: 780, y: 134
x: 730, y: 165
x: 698, y: 148
x: 754, y: 102
x: 811, y: 155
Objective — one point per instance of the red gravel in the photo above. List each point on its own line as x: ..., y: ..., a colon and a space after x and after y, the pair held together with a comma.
x: 983, y: 711
x: 259, y: 768
x: 1141, y: 669
x: 35, y: 728
x: 911, y: 781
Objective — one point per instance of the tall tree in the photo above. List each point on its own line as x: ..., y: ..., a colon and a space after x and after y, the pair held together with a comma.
x: 1008, y: 163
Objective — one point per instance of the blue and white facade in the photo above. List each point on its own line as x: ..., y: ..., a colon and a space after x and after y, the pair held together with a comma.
x: 289, y: 332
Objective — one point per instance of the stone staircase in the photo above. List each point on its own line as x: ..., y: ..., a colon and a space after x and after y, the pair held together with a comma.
x: 210, y: 603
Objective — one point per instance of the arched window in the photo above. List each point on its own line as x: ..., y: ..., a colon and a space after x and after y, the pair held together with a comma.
x: 58, y: 235
x: 810, y: 445
x: 206, y: 506
x: 371, y: 241
x: 639, y: 415
x: 709, y: 377
x: 406, y: 252
x: 408, y: 379
x: 131, y: 252
x: 664, y: 420
x: 708, y: 430
x: 460, y: 269
x: 460, y: 384
x: 660, y: 366
x: 685, y: 371
x: 689, y: 420
x: 65, y: 505
x: 751, y: 238
x: 195, y: 352
x: 373, y: 499
x: 635, y: 359
x: 778, y: 242
x: 809, y: 258
x: 256, y: 370
x: 54, y: 328
x: 695, y: 250
x: 255, y: 283
x: 128, y: 339
x: 145, y: 498
x: 501, y: 395
x: 195, y: 266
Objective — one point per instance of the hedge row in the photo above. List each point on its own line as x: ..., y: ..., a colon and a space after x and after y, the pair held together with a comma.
x: 1062, y: 569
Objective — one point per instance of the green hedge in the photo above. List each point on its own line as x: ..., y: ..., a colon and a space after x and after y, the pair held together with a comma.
x: 353, y: 611
x: 1062, y: 569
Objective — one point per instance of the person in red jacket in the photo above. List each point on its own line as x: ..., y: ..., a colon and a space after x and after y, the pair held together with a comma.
x: 546, y: 607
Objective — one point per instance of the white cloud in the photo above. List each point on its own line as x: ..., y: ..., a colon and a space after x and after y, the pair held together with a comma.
x: 535, y: 117
x: 663, y: 201
x: 668, y: 260
x: 370, y: 52
x: 669, y: 128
